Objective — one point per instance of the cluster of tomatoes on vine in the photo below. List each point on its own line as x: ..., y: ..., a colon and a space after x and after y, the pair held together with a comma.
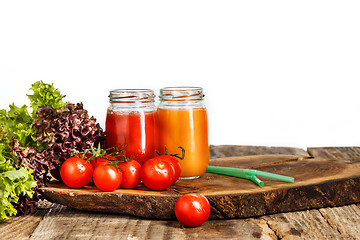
x: 111, y: 169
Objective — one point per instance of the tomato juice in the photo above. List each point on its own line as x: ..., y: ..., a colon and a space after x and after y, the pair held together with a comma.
x: 134, y: 129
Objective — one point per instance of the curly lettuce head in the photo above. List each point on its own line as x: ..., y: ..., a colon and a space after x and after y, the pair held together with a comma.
x: 33, y: 144
x: 66, y: 130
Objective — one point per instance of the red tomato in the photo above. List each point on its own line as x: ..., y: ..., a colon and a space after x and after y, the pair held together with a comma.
x: 131, y: 173
x: 157, y: 174
x: 76, y: 172
x: 107, y: 178
x: 192, y: 209
x: 174, y: 164
x: 101, y: 161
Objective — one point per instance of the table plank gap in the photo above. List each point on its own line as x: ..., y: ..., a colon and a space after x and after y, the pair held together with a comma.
x: 308, y: 224
x: 344, y: 219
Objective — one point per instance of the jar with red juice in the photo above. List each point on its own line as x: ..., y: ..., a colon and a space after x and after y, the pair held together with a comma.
x: 130, y: 122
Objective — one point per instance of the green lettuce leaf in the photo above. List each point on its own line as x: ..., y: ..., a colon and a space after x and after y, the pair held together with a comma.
x: 6, y: 161
x: 14, y: 183
x: 17, y: 122
x: 45, y: 94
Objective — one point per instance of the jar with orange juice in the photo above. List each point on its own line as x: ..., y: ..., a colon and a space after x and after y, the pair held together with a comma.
x: 130, y: 123
x: 181, y: 121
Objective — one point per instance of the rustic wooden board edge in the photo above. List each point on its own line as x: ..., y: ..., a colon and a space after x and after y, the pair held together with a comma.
x: 145, y: 206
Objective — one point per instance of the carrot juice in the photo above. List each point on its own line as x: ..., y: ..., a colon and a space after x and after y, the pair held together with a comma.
x: 184, y: 124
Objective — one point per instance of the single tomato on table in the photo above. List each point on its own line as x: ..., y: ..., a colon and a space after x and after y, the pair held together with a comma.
x: 157, y: 174
x: 107, y: 177
x: 131, y: 173
x: 192, y: 209
x: 75, y: 172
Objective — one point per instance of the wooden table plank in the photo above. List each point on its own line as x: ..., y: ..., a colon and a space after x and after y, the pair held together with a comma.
x: 218, y: 151
x: 308, y: 224
x: 345, y: 220
x: 325, y: 223
x: 20, y: 227
x: 347, y: 154
x: 66, y: 223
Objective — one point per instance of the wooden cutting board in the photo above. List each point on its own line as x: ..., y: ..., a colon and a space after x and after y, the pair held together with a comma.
x: 319, y: 182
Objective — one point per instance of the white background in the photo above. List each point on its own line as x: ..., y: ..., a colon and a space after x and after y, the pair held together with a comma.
x: 275, y: 73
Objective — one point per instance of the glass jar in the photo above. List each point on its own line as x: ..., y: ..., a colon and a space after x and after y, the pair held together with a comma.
x: 130, y: 122
x: 182, y: 121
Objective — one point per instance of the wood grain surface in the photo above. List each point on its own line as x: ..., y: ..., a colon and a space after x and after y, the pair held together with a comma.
x: 55, y: 221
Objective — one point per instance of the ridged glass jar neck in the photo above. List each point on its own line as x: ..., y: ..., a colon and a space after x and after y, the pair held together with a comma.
x: 178, y: 97
x: 132, y: 98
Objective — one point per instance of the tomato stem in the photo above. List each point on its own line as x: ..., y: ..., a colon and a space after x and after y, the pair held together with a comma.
x: 108, y: 154
x: 174, y: 155
x: 182, y: 154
